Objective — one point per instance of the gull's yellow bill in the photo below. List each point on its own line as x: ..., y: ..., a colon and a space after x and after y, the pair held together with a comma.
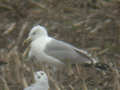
x: 26, y: 41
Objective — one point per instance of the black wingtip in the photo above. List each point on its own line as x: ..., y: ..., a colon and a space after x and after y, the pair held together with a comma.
x: 99, y: 66
x: 102, y: 66
x: 3, y: 63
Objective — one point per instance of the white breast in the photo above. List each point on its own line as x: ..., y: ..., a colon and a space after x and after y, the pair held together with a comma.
x: 40, y: 43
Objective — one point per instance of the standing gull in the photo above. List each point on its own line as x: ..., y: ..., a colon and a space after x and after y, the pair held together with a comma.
x: 49, y: 50
x: 41, y: 82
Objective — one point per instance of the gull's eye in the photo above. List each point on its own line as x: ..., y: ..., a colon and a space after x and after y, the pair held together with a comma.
x: 39, y: 77
x: 34, y: 33
x: 42, y: 73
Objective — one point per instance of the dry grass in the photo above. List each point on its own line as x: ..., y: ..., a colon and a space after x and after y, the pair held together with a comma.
x: 86, y: 24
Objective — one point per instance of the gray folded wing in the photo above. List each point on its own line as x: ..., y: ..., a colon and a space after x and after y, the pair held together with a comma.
x: 66, y: 52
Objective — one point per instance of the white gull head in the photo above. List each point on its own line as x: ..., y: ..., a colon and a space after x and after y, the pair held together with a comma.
x: 41, y: 77
x: 41, y: 82
x: 38, y: 31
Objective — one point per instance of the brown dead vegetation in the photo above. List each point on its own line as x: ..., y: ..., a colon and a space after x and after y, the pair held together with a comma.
x: 93, y: 25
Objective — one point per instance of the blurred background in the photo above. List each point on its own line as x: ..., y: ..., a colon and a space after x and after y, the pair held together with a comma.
x: 93, y: 25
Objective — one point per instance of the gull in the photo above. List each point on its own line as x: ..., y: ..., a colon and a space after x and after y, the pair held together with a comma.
x: 41, y: 82
x: 49, y: 50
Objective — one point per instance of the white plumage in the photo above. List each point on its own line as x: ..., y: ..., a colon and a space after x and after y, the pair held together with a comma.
x: 41, y: 82
x: 49, y: 50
